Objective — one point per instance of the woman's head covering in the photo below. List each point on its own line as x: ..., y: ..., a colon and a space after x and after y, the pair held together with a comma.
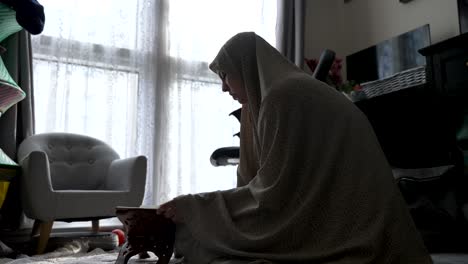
x: 250, y: 58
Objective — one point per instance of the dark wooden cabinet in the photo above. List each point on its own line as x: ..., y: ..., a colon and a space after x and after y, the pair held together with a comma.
x: 447, y: 66
x: 447, y: 74
x: 421, y: 126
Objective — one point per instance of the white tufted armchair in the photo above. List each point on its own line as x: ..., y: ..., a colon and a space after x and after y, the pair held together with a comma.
x: 70, y: 177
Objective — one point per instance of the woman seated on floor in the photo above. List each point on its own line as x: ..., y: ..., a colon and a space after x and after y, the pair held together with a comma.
x: 313, y: 183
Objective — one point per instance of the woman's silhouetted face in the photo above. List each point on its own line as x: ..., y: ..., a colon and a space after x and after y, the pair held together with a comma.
x: 235, y: 87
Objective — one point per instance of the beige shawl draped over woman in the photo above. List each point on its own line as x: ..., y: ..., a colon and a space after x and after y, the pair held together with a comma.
x: 313, y: 183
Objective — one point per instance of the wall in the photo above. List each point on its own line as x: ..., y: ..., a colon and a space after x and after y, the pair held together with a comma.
x: 358, y: 24
x: 320, y: 28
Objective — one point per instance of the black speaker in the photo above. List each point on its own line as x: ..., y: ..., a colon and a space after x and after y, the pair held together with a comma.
x: 463, y: 15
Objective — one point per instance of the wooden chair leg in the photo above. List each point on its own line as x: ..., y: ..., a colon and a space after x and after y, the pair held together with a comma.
x: 95, y: 224
x: 46, y: 228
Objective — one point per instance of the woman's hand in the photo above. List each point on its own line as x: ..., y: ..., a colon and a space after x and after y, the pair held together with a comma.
x: 169, y: 210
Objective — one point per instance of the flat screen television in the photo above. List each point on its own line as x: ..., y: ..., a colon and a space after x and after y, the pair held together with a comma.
x: 388, y: 57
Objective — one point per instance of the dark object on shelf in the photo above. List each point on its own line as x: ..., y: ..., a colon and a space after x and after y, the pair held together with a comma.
x: 463, y: 15
x: 146, y: 231
x: 29, y: 14
x: 324, y: 64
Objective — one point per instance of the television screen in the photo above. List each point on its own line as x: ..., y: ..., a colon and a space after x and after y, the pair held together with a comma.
x: 389, y: 57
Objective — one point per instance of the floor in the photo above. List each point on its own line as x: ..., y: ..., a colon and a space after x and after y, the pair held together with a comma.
x: 450, y: 258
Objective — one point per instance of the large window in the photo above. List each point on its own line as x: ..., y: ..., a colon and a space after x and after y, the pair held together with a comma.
x: 84, y: 72
x: 135, y: 75
x: 87, y: 62
x: 199, y: 118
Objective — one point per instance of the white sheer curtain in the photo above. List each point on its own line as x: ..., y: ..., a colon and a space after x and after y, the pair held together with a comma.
x: 194, y: 120
x: 135, y: 74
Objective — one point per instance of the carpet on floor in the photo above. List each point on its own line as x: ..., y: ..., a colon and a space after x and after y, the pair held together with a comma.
x: 76, y: 252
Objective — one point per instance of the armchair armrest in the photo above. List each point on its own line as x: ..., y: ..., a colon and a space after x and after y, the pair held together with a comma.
x: 37, y: 193
x: 127, y: 174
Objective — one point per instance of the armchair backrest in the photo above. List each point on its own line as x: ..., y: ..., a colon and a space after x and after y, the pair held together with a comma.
x: 76, y: 162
